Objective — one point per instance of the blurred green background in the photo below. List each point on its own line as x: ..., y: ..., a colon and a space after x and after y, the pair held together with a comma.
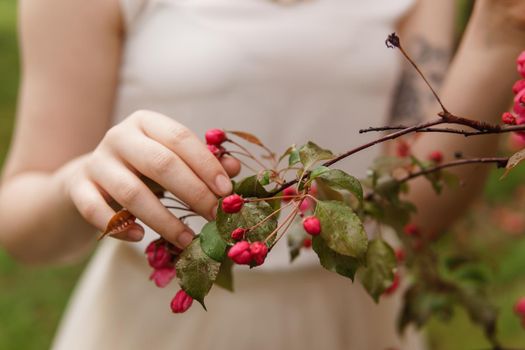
x: 32, y: 299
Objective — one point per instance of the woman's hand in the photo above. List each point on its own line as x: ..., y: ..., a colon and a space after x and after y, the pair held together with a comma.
x: 153, y: 145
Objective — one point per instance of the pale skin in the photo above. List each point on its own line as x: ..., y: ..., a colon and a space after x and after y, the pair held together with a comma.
x: 66, y: 163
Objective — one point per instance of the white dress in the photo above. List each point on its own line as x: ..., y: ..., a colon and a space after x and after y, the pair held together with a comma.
x: 318, y: 70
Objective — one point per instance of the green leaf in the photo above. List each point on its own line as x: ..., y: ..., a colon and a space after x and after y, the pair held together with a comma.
x: 419, y: 305
x: 332, y: 261
x: 341, y: 228
x: 196, y: 271
x: 212, y: 243
x: 250, y: 187
x: 513, y: 162
x: 397, y: 214
x: 339, y: 180
x: 318, y: 172
x: 450, y: 179
x: 265, y: 178
x: 225, y: 277
x: 295, y: 237
x: 251, y: 214
x: 434, y: 178
x: 379, y: 272
x: 325, y: 192
x: 311, y: 154
x: 294, y: 157
x: 480, y: 309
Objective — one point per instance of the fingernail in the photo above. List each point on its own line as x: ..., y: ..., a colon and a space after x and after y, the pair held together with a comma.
x: 214, y: 211
x: 135, y: 235
x: 185, y: 239
x: 224, y: 185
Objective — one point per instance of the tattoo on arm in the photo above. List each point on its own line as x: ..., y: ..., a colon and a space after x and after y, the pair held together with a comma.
x: 411, y: 96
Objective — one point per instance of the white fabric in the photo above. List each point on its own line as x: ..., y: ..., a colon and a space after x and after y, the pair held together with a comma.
x: 317, y: 70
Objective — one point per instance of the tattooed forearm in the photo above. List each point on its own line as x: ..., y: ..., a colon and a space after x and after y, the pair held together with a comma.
x: 411, y: 97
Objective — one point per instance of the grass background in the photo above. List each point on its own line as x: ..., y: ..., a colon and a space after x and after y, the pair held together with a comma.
x: 32, y: 299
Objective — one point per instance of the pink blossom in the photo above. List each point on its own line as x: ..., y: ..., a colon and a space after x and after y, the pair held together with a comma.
x: 162, y: 277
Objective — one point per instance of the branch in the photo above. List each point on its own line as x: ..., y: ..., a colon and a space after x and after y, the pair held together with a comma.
x: 501, y: 162
x: 499, y: 130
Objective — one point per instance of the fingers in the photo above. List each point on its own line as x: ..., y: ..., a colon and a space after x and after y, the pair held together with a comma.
x: 231, y: 165
x: 95, y: 210
x: 130, y: 192
x: 166, y: 168
x: 181, y: 141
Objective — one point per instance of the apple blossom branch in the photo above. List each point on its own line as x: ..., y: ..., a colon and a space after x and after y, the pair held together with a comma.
x: 444, y: 117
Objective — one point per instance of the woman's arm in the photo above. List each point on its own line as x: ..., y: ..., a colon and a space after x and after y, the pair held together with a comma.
x: 70, y: 56
x: 477, y: 85
x: 65, y: 167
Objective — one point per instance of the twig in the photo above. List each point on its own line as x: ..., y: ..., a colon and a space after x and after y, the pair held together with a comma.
x: 500, y: 162
x: 394, y: 41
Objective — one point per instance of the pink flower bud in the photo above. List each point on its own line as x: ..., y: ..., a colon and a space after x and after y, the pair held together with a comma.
x: 238, y: 233
x: 395, y: 284
x: 400, y: 255
x: 402, y: 149
x: 216, y: 151
x: 312, y: 225
x: 519, y: 307
x: 181, y: 302
x: 158, y: 255
x: 518, y: 86
x: 306, y: 205
x: 215, y: 137
x: 307, y: 243
x: 162, y: 277
x: 232, y: 204
x: 436, y: 157
x: 258, y: 251
x: 240, y: 253
x: 516, y: 141
x: 508, y: 118
x: 289, y: 193
x: 313, y: 190
x: 519, y: 104
x: 412, y: 230
x: 521, y: 64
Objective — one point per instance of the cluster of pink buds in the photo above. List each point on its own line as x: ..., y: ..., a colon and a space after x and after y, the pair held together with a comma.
x: 244, y: 253
x: 214, y: 139
x: 517, y: 116
x: 161, y: 256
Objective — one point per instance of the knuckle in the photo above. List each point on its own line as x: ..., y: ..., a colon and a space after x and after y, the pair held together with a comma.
x: 88, y: 209
x: 127, y: 193
x: 179, y: 133
x: 162, y: 161
x: 201, y: 194
x: 137, y: 116
x: 113, y: 133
